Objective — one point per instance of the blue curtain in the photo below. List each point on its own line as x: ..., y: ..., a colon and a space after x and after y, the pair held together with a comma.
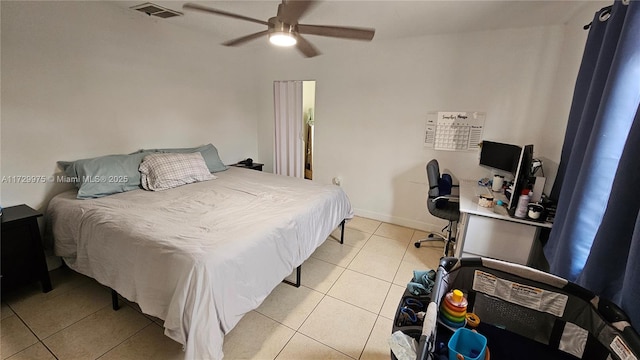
x: 595, y: 239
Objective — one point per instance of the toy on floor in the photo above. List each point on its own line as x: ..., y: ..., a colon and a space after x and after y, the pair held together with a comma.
x: 453, y: 310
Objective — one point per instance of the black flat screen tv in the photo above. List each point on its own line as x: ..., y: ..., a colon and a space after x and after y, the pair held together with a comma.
x: 500, y: 156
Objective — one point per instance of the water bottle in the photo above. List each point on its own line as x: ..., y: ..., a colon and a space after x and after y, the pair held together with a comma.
x: 523, y: 203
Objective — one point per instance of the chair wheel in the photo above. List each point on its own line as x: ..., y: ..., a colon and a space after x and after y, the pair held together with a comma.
x: 430, y: 236
x: 417, y: 244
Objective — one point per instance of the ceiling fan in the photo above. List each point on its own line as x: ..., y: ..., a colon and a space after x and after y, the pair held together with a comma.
x: 284, y: 29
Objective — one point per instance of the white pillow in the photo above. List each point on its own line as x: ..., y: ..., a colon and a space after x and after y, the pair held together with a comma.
x: 166, y: 171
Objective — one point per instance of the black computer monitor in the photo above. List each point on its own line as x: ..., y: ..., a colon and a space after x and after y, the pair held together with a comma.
x: 500, y: 156
x: 521, y: 180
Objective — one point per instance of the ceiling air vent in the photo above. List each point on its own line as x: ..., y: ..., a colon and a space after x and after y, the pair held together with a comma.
x: 156, y: 10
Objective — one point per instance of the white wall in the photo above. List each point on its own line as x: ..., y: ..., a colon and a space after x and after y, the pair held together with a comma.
x: 83, y: 79
x: 372, y: 101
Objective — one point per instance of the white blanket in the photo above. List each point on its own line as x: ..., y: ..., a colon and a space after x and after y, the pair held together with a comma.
x: 202, y: 255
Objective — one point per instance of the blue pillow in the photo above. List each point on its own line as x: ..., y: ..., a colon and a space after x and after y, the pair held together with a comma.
x: 209, y: 153
x: 104, y: 175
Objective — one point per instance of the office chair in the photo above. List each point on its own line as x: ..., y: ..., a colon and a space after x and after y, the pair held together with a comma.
x: 442, y: 205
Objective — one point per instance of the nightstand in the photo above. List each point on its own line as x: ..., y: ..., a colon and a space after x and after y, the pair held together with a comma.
x: 254, y: 166
x: 22, y: 254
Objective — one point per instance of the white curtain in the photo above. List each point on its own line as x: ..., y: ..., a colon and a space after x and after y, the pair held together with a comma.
x: 289, y: 146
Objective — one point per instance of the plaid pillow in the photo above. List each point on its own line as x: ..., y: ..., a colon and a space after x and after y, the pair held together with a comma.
x: 166, y: 171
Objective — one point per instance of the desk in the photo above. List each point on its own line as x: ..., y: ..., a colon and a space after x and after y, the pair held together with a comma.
x: 483, y: 232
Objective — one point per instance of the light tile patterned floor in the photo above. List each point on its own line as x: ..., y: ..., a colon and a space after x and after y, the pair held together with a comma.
x: 343, y: 310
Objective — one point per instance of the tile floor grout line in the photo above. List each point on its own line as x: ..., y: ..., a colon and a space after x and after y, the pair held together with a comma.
x: 378, y: 227
x: 75, y: 322
x: 28, y: 328
x: 49, y: 350
x: 369, y: 337
x: 364, y: 231
x: 295, y: 331
x: 32, y: 332
x: 314, y: 309
x: 41, y: 340
x: 316, y: 258
x: 345, y: 267
x: 26, y: 325
x: 359, y: 307
x: 285, y: 344
x: 335, y: 282
x: 123, y: 341
x: 37, y: 337
x: 375, y: 277
x: 320, y: 342
x: 350, y: 261
x: 371, y: 276
x: 285, y: 325
x: 406, y: 250
x: 359, y: 249
x: 385, y: 298
x: 329, y: 346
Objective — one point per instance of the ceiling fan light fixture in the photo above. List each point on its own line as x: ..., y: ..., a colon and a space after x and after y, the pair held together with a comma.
x: 282, y: 39
x: 280, y: 33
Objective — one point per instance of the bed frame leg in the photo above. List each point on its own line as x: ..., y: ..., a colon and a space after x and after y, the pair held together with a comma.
x: 298, y: 273
x: 114, y: 300
x: 299, y: 268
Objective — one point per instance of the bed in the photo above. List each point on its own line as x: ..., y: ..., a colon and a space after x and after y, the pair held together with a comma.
x: 202, y: 255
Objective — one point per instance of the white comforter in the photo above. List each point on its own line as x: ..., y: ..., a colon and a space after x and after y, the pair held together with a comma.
x: 199, y: 256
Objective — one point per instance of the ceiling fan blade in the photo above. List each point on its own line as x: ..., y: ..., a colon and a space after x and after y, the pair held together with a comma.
x: 306, y: 48
x: 338, y: 31
x: 244, y: 39
x: 192, y: 6
x: 291, y: 11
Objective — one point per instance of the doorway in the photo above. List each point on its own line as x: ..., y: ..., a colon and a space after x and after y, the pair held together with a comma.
x: 308, y: 106
x: 294, y: 105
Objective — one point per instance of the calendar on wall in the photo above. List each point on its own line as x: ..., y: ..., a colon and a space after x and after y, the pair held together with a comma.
x: 454, y: 130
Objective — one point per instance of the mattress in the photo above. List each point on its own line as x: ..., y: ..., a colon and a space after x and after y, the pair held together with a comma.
x: 202, y: 255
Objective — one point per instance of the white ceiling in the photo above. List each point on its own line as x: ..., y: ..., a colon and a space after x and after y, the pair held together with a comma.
x: 391, y: 19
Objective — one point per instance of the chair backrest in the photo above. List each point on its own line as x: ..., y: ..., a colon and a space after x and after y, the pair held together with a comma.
x: 433, y: 177
x: 440, y: 186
